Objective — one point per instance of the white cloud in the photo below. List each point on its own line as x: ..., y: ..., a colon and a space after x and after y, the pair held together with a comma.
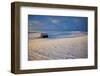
x: 54, y: 21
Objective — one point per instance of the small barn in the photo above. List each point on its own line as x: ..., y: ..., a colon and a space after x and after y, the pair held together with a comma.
x: 44, y: 35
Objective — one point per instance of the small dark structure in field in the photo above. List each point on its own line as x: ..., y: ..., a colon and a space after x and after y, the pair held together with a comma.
x: 44, y: 35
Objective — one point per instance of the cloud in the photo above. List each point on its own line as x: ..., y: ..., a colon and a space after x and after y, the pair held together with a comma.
x: 55, y: 21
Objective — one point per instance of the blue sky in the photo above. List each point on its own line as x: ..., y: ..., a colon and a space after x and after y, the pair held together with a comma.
x: 57, y: 23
